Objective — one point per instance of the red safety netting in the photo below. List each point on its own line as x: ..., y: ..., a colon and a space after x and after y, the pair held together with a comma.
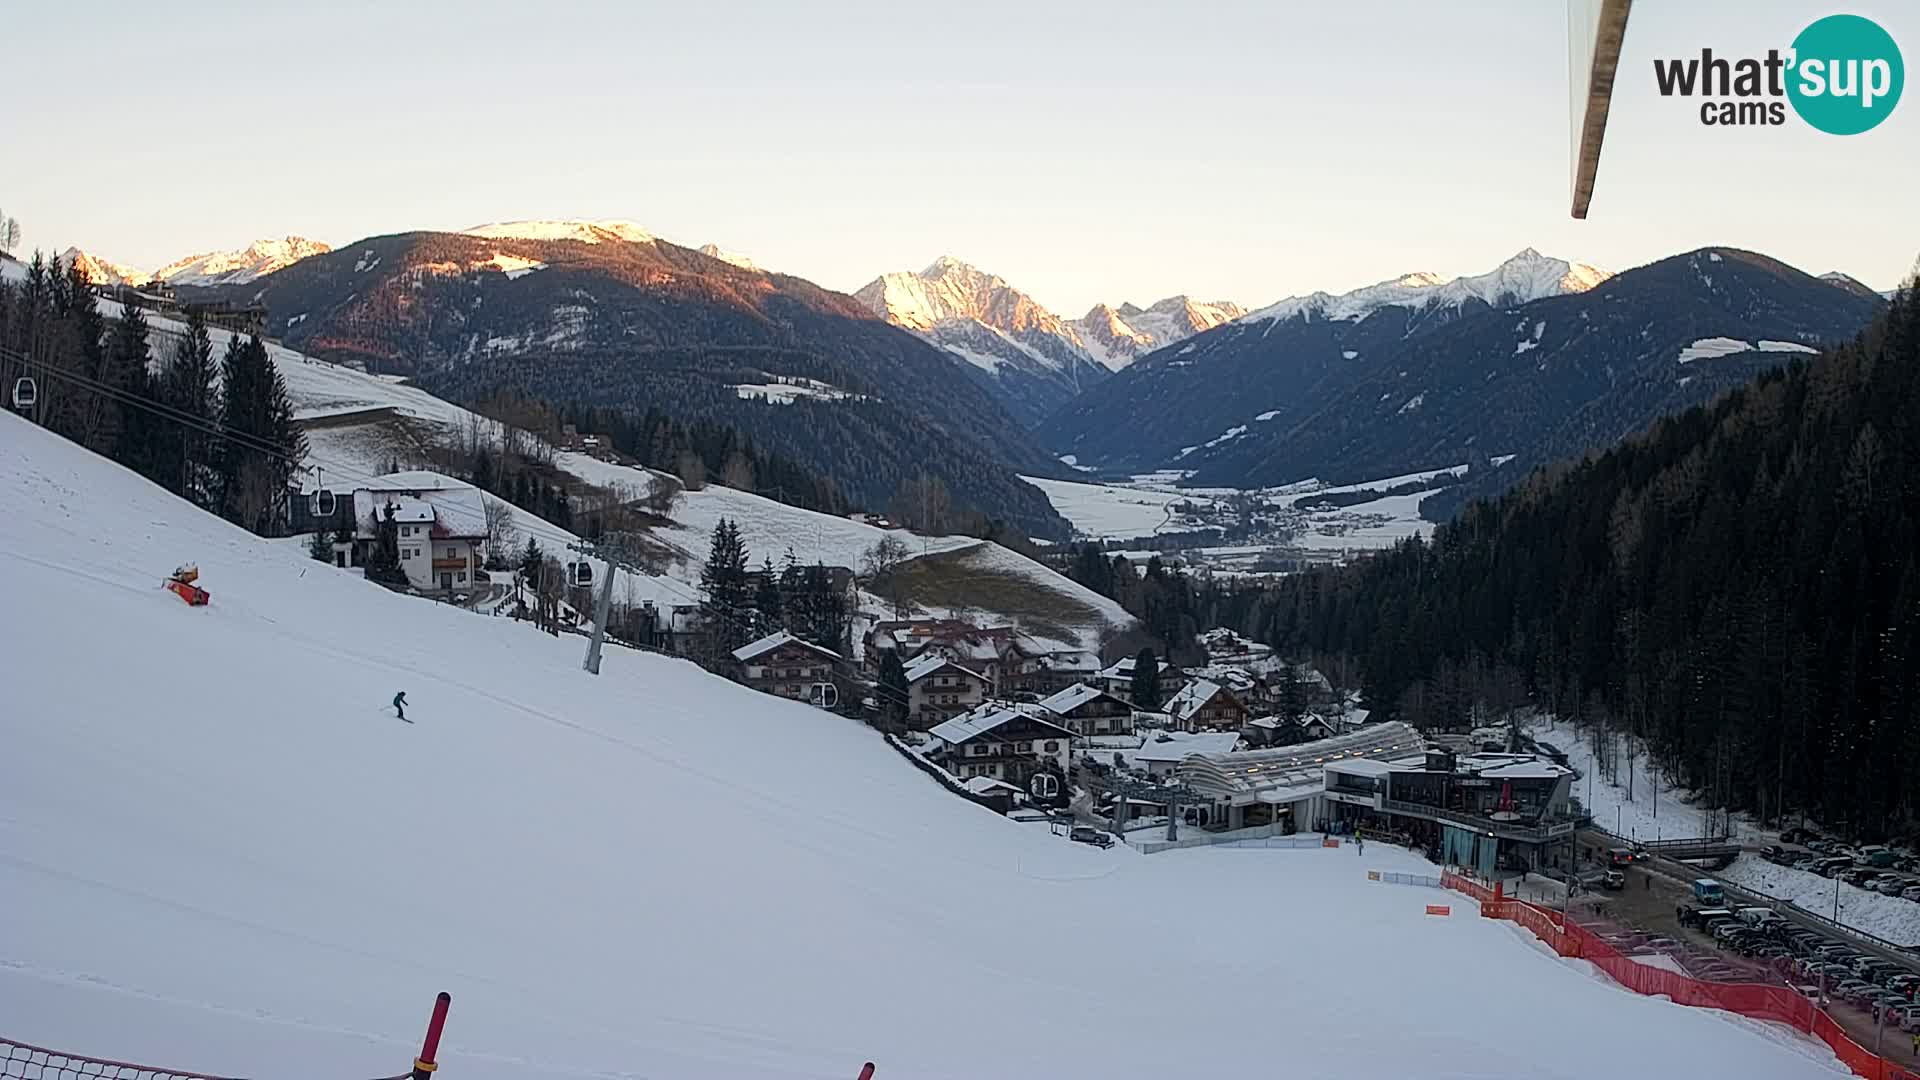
x: 1776, y: 1003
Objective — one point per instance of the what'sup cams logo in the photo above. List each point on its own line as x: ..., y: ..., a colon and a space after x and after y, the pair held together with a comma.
x: 1843, y: 75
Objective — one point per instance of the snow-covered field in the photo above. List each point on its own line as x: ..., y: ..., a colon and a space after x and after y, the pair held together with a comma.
x: 1110, y: 511
x: 221, y: 851
x: 1149, y: 504
x: 1675, y: 814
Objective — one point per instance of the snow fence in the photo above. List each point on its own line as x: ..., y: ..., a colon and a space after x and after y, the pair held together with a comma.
x: 1778, y: 1004
x: 25, y: 1061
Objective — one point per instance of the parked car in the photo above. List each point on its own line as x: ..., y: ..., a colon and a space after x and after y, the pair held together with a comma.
x: 1832, y: 865
x: 1888, y: 1003
x: 1876, y: 855
x: 1613, y: 880
x: 1911, y: 892
x: 1087, y: 834
x: 1908, y: 1018
x: 1853, y: 990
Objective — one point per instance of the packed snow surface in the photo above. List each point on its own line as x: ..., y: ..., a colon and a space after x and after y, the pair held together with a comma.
x: 229, y: 855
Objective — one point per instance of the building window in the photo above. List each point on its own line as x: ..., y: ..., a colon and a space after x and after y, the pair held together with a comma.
x: 1053, y: 747
x: 1026, y: 747
x: 977, y: 749
x: 461, y: 577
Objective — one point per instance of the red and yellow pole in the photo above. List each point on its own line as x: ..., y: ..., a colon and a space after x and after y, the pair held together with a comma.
x: 424, y: 1065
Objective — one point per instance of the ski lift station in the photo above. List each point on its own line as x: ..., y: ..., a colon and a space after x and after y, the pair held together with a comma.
x: 1483, y: 810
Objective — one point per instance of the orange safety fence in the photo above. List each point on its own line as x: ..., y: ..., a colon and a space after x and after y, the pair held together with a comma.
x: 1758, y: 1000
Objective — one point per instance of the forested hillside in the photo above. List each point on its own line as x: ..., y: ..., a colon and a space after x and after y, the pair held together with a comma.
x: 807, y: 372
x: 1740, y: 585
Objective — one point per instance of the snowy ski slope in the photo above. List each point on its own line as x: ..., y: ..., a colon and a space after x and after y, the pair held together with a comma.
x: 219, y: 850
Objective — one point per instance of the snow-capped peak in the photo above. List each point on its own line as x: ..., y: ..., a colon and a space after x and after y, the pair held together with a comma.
x: 1116, y: 336
x: 100, y: 271
x: 715, y: 251
x: 1527, y: 276
x: 587, y: 232
x: 257, y: 259
x: 951, y: 289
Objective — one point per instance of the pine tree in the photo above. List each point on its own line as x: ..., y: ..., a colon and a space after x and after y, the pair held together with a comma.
x: 1146, y: 681
x: 729, y: 603
x: 768, y: 612
x: 530, y: 562
x: 320, y: 548
x: 893, y: 691
x: 254, y: 464
x: 383, y: 565
x: 825, y: 609
x: 129, y: 359
x: 187, y: 388
x: 1290, y: 692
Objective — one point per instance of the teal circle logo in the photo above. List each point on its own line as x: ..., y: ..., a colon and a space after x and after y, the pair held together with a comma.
x: 1846, y: 76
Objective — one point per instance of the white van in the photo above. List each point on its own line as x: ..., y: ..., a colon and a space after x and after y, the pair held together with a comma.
x: 1758, y: 917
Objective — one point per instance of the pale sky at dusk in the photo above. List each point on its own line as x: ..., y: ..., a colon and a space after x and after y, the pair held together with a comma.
x: 1087, y: 153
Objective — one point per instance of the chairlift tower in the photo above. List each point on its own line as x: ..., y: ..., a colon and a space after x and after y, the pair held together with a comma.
x: 616, y: 550
x: 1173, y: 795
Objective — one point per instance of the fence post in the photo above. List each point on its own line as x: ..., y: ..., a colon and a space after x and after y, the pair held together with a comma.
x: 424, y: 1065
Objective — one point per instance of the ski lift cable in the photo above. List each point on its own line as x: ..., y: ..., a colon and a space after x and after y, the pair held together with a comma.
x: 246, y: 440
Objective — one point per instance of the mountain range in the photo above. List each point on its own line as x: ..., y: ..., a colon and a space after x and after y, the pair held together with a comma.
x: 604, y: 313
x: 1034, y: 360
x: 1541, y: 358
x: 207, y: 270
x: 956, y: 371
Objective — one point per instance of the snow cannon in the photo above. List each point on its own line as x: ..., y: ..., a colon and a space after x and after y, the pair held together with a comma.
x: 181, y: 582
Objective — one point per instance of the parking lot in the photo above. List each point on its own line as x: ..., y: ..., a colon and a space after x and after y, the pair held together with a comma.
x: 1644, y: 920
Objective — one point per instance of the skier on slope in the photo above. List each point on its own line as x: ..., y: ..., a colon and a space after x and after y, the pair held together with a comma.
x: 400, y: 704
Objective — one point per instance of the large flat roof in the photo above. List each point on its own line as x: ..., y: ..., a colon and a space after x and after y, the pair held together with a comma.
x: 1244, y: 776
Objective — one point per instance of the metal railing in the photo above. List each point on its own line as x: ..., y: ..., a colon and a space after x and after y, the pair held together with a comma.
x: 1538, y: 834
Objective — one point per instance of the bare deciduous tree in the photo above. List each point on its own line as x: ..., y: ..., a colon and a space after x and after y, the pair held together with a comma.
x: 499, y: 531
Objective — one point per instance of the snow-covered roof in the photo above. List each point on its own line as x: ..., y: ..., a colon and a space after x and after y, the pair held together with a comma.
x: 773, y: 641
x: 454, y: 508
x: 1249, y: 773
x: 981, y: 785
x: 1363, y: 767
x: 1510, y: 768
x: 1192, y: 698
x: 986, y: 718
x: 1179, y: 745
x: 1123, y: 668
x: 371, y: 508
x: 929, y: 663
x: 1065, y: 701
x: 1237, y: 679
